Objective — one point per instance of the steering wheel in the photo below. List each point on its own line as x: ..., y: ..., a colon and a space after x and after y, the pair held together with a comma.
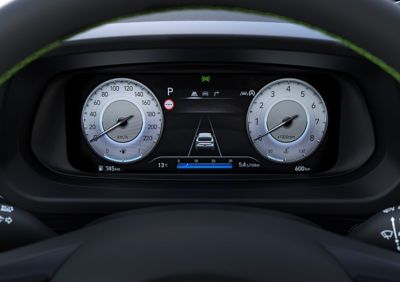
x: 198, y: 243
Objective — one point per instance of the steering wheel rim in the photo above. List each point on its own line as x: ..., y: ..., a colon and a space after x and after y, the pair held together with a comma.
x: 45, y: 23
x: 198, y: 243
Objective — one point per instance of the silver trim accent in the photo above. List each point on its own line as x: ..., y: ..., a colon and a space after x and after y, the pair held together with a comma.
x: 165, y: 28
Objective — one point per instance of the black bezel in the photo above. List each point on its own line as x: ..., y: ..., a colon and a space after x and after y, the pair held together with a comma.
x: 366, y: 179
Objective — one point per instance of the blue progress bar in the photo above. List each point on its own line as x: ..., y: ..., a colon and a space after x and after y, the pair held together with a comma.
x: 204, y: 166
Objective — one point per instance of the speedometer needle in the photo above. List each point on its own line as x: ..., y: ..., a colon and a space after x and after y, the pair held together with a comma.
x: 276, y: 127
x: 119, y: 123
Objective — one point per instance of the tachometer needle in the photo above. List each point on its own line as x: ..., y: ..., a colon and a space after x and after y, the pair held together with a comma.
x: 119, y: 123
x: 276, y: 127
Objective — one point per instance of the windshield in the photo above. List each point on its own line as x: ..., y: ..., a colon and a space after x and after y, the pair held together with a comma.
x: 4, y: 2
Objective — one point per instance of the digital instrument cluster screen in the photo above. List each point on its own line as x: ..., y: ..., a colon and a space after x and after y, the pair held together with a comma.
x: 202, y: 122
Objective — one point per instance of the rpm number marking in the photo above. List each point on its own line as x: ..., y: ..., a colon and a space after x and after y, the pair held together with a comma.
x: 287, y: 120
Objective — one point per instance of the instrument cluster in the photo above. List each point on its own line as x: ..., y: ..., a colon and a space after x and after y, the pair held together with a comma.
x: 202, y: 122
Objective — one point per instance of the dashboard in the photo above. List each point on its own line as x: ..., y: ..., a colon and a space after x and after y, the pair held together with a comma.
x: 140, y: 113
x: 205, y: 123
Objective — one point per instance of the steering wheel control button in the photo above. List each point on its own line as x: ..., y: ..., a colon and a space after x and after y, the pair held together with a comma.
x: 287, y: 120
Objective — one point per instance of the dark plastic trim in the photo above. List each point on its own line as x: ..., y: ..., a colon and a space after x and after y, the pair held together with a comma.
x: 369, y: 188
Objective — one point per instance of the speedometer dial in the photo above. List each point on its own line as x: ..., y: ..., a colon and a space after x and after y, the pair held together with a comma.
x: 287, y: 120
x: 122, y: 120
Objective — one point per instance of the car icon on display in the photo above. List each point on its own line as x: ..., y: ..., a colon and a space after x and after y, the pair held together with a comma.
x: 205, y: 140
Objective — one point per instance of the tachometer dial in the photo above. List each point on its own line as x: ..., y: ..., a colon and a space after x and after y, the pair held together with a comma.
x: 287, y: 120
x: 122, y: 120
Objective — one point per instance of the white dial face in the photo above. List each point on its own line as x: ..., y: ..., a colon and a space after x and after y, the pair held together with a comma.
x: 122, y: 120
x: 287, y: 120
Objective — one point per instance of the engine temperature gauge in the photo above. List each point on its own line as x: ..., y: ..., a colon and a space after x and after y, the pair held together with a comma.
x: 287, y: 120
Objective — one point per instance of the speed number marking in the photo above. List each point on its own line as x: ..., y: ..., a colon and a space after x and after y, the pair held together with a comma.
x: 122, y: 120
